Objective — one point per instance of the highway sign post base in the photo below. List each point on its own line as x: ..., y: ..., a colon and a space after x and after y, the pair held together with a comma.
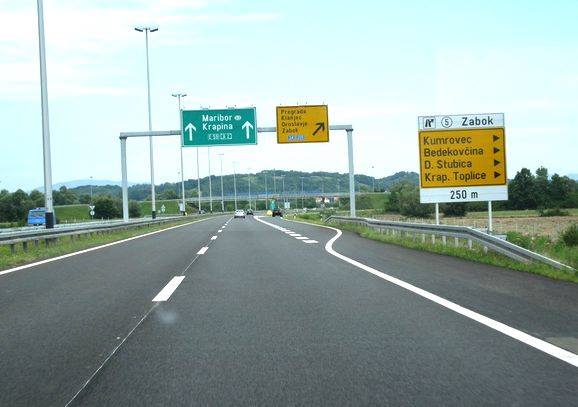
x: 49, y: 220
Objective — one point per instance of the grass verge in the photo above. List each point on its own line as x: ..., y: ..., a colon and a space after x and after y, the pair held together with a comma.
x: 476, y: 254
x: 65, y: 245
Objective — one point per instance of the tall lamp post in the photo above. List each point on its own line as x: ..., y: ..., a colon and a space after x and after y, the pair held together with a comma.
x: 249, y: 174
x: 48, y: 204
x: 179, y: 96
x: 210, y: 183
x: 146, y: 30
x: 266, y: 192
x: 372, y: 180
x: 222, y: 191
x: 302, y: 196
x: 235, y: 183
x: 283, y: 180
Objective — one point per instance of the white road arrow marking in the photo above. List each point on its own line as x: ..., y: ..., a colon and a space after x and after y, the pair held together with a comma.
x: 190, y: 128
x: 247, y: 127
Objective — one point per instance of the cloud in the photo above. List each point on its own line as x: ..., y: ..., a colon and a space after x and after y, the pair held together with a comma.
x: 84, y: 40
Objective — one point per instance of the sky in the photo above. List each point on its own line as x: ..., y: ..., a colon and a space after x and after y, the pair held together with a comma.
x: 378, y: 65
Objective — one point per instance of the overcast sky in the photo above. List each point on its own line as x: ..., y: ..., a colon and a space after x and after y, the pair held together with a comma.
x: 377, y: 64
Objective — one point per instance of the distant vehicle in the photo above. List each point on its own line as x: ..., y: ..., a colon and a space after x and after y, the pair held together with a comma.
x: 37, y: 217
x: 275, y: 209
x: 239, y: 214
x: 249, y: 211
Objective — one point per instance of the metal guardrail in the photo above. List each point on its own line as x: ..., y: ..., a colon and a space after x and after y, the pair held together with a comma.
x: 52, y: 235
x: 64, y: 228
x: 471, y: 235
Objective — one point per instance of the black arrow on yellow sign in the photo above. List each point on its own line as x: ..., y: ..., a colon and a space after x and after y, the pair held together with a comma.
x: 496, y: 162
x: 496, y: 174
x: 320, y: 126
x: 496, y: 150
x: 496, y: 138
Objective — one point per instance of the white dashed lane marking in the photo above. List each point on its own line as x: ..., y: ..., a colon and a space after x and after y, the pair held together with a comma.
x: 289, y: 232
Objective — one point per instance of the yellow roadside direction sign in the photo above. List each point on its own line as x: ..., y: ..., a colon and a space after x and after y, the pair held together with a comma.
x: 462, y: 157
x: 302, y: 124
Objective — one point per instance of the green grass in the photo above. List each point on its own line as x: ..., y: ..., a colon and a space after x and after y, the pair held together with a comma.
x: 171, y: 207
x: 65, y: 245
x: 72, y: 213
x: 476, y: 254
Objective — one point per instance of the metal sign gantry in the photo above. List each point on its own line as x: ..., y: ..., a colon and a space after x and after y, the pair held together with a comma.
x: 348, y: 128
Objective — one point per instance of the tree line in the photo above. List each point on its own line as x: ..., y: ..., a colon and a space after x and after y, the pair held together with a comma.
x: 526, y: 190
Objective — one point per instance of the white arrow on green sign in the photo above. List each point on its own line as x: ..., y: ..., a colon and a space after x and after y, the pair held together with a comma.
x: 218, y: 127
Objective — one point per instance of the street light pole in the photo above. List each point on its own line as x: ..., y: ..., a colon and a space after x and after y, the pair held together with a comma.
x: 146, y: 30
x: 179, y: 96
x: 250, y: 188
x: 302, y: 195
x: 222, y: 191
x: 48, y: 204
x: 284, y: 198
x: 372, y: 180
x: 91, y: 189
x: 210, y: 183
x: 198, y: 182
x: 274, y: 183
x: 266, y: 192
x: 235, y: 183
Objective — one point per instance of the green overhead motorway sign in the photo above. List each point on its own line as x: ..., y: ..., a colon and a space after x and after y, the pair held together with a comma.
x: 219, y: 127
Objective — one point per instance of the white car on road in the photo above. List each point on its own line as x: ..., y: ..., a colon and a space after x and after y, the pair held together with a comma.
x: 240, y: 214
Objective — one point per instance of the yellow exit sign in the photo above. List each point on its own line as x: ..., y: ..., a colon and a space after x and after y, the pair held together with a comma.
x: 462, y: 157
x: 302, y: 124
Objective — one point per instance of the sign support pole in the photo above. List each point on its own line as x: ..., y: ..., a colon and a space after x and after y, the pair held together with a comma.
x: 210, y: 184
x: 124, y: 179
x: 198, y: 181
x: 437, y: 213
x: 490, y: 226
x: 352, y: 211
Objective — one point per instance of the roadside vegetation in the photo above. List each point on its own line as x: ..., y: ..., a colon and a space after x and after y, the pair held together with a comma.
x: 560, y: 250
x: 65, y: 245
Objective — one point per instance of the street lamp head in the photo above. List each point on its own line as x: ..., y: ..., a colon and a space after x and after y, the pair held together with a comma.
x: 151, y: 29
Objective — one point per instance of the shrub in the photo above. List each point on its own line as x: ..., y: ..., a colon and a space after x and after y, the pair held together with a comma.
x: 519, y: 239
x: 570, y: 235
x: 553, y: 212
x: 454, y: 209
x: 134, y: 209
x: 107, y: 207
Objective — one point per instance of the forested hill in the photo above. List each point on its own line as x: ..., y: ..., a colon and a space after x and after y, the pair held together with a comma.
x: 312, y: 182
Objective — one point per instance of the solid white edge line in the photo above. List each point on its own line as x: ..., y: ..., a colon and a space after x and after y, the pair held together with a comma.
x: 203, y: 250
x: 64, y: 256
x: 169, y: 289
x: 539, y: 344
x: 214, y: 238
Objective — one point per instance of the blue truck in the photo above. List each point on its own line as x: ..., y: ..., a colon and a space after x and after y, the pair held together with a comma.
x: 37, y: 217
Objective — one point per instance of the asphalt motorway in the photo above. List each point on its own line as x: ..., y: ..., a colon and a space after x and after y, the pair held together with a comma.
x: 257, y: 311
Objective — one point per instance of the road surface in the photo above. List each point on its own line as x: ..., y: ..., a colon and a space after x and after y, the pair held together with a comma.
x: 263, y: 311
